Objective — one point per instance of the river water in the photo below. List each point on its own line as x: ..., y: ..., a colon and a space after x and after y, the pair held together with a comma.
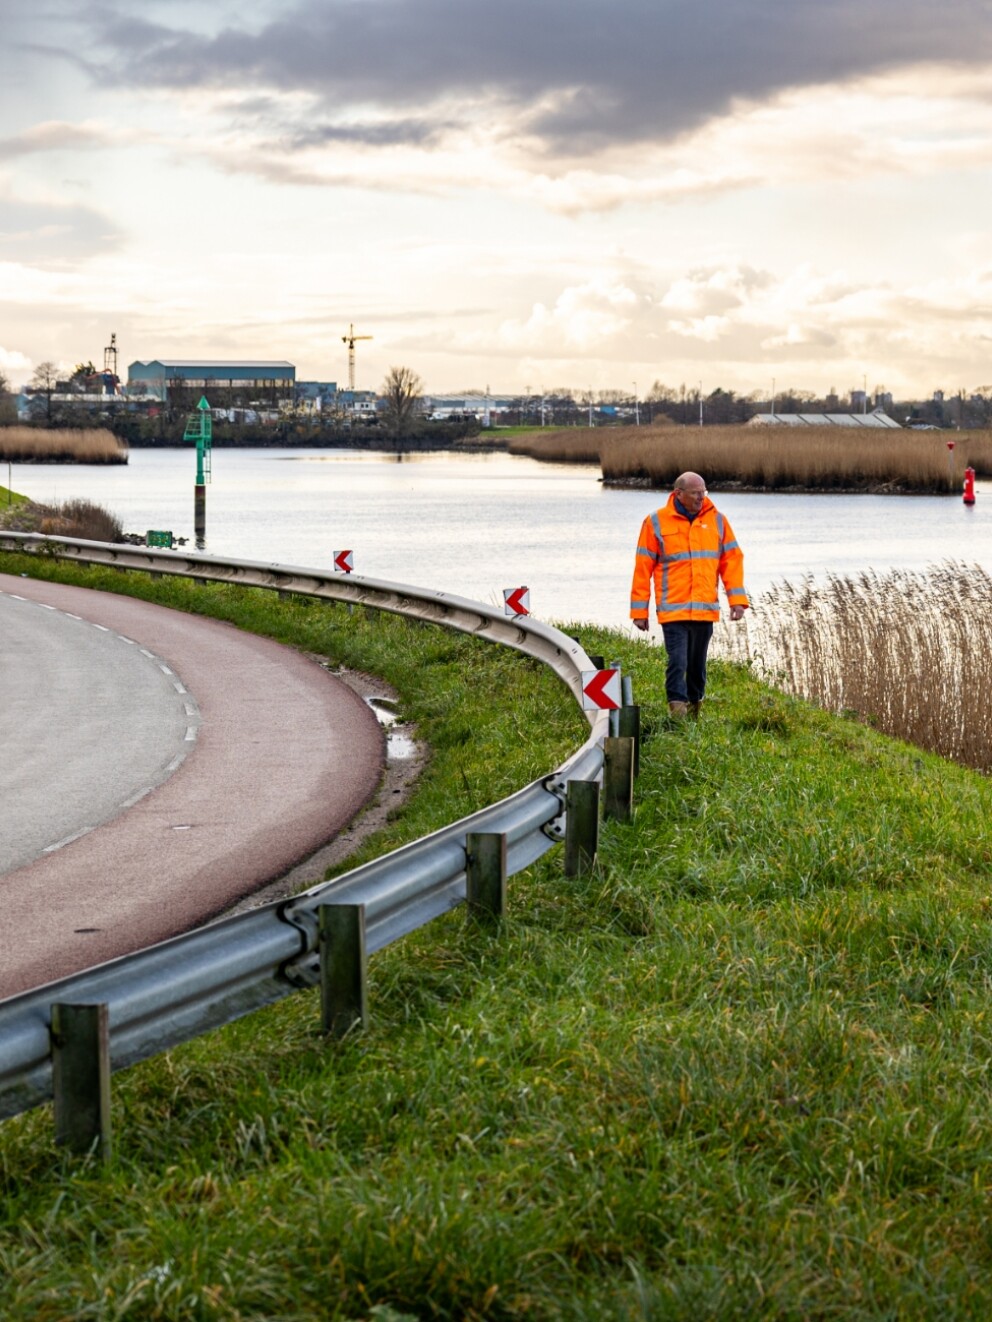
x: 474, y: 524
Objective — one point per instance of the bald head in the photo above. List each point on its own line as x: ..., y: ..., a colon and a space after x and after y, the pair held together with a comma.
x: 690, y: 482
x: 690, y: 489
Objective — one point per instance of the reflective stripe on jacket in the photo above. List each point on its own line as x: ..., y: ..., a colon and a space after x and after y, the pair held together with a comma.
x: 685, y: 560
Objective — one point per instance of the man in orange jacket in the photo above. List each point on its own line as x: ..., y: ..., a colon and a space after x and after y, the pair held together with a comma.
x: 684, y: 549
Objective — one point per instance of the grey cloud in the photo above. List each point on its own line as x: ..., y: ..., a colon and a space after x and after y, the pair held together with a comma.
x: 389, y: 133
x: 584, y: 74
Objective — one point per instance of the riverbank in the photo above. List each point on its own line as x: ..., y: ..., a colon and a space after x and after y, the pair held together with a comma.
x: 69, y: 518
x: 740, y: 1070
x: 881, y: 489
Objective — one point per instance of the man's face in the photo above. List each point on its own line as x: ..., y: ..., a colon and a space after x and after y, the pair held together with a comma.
x: 692, y: 495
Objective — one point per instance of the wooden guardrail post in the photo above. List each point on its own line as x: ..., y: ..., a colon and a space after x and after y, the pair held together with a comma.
x: 80, y: 1037
x: 618, y: 778
x: 581, y: 826
x: 485, y: 875
x: 343, y: 968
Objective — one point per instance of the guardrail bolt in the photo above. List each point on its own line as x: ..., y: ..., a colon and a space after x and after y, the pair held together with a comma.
x: 80, y: 1037
x: 581, y: 826
x: 485, y: 875
x: 618, y: 778
x: 343, y: 968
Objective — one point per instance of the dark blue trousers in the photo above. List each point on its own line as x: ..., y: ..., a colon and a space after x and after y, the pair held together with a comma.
x: 686, y: 643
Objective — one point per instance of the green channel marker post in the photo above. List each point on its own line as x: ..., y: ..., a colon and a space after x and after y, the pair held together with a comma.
x: 199, y: 428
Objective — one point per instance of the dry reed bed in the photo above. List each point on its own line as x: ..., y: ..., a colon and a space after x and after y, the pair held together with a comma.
x: 811, y: 458
x: 910, y: 653
x: 94, y: 445
x: 575, y: 445
x: 814, y: 458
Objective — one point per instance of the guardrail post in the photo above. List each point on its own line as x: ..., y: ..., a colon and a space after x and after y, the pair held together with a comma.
x: 618, y: 778
x: 343, y: 968
x: 630, y: 728
x: 485, y: 875
x: 80, y: 1037
x: 598, y: 662
x: 581, y: 826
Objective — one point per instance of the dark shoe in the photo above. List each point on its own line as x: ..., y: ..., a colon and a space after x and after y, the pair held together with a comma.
x: 694, y: 710
x: 679, y: 710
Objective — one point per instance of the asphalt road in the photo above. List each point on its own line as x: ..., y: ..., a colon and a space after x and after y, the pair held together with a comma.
x: 119, y: 719
x: 155, y: 767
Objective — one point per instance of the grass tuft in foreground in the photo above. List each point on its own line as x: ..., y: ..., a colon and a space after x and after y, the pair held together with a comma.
x: 71, y: 518
x: 740, y: 1070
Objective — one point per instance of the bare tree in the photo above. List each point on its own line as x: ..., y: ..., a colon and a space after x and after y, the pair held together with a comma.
x: 45, y: 382
x: 401, y: 390
x: 8, y: 409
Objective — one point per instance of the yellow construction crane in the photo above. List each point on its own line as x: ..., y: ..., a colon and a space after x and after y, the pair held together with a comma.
x: 349, y: 340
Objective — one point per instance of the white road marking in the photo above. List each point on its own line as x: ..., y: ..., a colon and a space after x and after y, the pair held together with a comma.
x: 60, y: 844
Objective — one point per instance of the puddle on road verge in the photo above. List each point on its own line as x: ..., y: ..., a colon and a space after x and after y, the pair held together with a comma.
x: 399, y: 745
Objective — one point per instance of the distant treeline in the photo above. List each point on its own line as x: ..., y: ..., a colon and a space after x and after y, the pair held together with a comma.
x: 295, y: 433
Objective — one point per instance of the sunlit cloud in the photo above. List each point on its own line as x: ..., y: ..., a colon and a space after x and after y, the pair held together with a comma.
x: 56, y: 135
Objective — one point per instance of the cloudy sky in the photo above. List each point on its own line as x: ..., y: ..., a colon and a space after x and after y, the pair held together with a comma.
x: 524, y: 194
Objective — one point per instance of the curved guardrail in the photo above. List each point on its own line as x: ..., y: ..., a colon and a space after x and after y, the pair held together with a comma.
x: 178, y: 989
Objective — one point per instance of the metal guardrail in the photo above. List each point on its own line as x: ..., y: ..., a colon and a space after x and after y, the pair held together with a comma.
x: 179, y: 989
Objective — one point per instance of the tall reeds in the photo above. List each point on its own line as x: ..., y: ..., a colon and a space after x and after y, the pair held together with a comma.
x: 94, y: 445
x: 770, y: 458
x: 779, y: 458
x: 909, y: 653
x: 575, y: 445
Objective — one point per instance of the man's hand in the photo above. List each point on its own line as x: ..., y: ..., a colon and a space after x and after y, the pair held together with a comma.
x: 642, y: 625
x: 737, y: 613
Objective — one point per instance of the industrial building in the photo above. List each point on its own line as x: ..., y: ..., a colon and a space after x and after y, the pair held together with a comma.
x: 262, y: 381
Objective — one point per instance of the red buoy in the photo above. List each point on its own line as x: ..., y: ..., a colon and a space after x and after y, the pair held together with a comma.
x: 969, y: 486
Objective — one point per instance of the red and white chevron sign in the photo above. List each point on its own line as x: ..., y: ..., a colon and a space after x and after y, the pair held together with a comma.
x: 516, y: 601
x: 343, y: 561
x: 600, y: 690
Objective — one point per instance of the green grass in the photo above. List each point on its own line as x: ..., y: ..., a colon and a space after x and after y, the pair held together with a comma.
x: 740, y: 1071
x: 9, y: 497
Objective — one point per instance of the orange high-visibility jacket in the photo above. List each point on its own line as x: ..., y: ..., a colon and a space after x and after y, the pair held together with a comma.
x: 684, y: 560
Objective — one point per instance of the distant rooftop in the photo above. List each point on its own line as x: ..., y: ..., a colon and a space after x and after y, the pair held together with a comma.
x: 212, y: 362
x: 877, y: 420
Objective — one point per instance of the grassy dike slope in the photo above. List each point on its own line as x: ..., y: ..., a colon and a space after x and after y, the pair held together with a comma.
x: 739, y: 1072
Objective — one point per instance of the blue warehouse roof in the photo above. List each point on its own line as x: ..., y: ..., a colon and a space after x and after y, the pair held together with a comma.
x: 214, y: 368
